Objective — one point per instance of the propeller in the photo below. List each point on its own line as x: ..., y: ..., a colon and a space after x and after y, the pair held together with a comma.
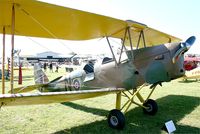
x: 185, y: 46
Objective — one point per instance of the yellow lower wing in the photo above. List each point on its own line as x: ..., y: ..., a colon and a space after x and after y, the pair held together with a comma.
x: 51, y: 97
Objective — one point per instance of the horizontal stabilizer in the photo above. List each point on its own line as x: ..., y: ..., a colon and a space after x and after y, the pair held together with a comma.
x: 26, y: 89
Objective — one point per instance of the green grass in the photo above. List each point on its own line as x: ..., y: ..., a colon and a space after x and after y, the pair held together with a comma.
x: 178, y: 101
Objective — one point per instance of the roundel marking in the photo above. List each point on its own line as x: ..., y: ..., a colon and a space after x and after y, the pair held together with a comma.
x: 76, y: 84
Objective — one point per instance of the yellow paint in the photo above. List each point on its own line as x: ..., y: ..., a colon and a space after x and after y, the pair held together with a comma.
x: 118, y: 100
x: 130, y: 96
x: 51, y: 97
x: 38, y: 19
x: 140, y: 97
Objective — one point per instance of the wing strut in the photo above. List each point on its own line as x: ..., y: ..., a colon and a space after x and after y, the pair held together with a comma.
x: 123, y: 46
x: 139, y: 39
x: 42, y: 26
x: 131, y: 44
x: 127, y: 36
x: 3, y: 61
x: 12, y: 48
x: 143, y: 38
x: 111, y: 50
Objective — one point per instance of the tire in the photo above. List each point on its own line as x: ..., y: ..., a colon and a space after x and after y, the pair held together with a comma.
x: 116, y: 119
x: 152, y: 107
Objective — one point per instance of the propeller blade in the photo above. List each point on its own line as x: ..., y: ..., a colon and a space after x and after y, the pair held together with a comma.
x: 178, y: 54
x: 191, y: 40
x: 185, y: 46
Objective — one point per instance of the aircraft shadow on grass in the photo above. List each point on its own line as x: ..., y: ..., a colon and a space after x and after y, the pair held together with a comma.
x: 172, y: 107
x: 189, y: 81
x: 95, y: 111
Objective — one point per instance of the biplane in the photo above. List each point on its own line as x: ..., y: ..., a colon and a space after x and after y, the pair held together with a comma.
x: 191, y: 65
x: 152, y: 57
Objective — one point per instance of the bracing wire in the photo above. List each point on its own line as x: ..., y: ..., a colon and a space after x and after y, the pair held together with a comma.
x: 43, y: 27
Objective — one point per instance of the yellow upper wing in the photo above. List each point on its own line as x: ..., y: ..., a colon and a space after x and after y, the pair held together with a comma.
x: 152, y: 36
x: 38, y: 19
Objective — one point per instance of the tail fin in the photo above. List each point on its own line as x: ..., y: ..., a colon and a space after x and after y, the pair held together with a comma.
x: 39, y: 75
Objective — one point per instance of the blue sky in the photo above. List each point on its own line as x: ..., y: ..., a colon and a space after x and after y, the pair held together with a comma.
x: 176, y: 17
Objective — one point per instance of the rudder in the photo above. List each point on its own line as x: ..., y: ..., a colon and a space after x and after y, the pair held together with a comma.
x: 39, y: 76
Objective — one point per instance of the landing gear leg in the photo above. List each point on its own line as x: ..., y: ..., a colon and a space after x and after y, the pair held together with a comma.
x: 118, y: 100
x: 149, y: 106
x: 116, y: 118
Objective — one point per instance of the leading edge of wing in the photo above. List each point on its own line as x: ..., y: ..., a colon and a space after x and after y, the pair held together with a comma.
x: 39, y: 19
x: 51, y: 97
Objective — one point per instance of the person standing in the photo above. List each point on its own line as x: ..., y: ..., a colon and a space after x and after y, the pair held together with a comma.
x: 45, y: 66
x: 57, y: 66
x: 51, y: 67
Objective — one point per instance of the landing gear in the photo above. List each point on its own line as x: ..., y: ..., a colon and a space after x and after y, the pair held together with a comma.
x: 151, y: 107
x: 116, y: 119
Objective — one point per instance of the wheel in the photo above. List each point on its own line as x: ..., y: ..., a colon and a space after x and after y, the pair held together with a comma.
x: 116, y: 119
x: 152, y: 107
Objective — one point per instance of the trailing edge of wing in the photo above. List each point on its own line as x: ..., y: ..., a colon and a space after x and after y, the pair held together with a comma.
x: 38, y: 19
x: 51, y: 97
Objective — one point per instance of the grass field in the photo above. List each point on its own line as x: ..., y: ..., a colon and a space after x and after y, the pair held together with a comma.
x: 178, y: 101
